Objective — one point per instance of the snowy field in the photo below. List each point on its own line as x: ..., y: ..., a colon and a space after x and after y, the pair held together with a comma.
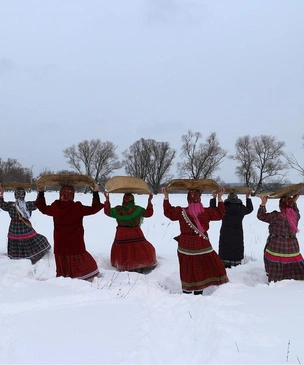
x: 129, y: 318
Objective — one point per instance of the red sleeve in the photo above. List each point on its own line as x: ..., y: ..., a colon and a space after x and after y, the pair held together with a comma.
x: 173, y: 213
x: 149, y: 210
x: 216, y: 214
x: 89, y: 210
x: 107, y: 208
x: 41, y: 205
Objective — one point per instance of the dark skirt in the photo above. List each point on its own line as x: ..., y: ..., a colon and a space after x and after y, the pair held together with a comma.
x: 197, y: 272
x: 31, y: 246
x: 81, y: 266
x: 131, y: 251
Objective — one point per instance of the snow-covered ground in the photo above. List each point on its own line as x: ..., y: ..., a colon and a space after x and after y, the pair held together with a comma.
x: 129, y: 318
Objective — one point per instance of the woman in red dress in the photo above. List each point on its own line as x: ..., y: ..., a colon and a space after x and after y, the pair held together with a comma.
x: 130, y: 250
x: 200, y: 265
x: 71, y: 256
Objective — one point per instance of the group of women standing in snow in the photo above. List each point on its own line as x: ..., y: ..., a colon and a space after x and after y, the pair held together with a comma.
x: 200, y: 265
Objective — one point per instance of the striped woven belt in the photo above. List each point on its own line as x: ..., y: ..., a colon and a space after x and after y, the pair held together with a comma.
x: 195, y: 252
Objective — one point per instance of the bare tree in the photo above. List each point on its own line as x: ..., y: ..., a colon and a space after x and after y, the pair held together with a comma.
x: 201, y: 160
x: 137, y: 158
x: 12, y: 171
x: 245, y: 155
x: 94, y: 158
x: 293, y: 162
x: 150, y: 161
x: 260, y: 165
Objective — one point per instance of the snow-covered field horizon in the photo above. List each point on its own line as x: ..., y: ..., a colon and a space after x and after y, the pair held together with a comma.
x: 129, y: 318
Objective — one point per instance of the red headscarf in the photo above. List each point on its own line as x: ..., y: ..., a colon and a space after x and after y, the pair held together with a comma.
x: 286, y: 205
x: 67, y: 193
x: 194, y: 196
x: 195, y: 207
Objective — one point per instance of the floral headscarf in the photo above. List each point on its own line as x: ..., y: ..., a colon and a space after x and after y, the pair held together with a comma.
x: 128, y: 205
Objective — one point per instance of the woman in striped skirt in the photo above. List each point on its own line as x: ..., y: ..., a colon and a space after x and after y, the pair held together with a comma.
x: 23, y: 241
x: 282, y: 257
x: 200, y: 265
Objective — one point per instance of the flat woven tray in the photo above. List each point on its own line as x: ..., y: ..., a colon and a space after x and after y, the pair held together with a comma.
x: 15, y: 185
x: 238, y: 190
x: 189, y: 184
x: 290, y: 190
x: 65, y: 179
x: 127, y: 184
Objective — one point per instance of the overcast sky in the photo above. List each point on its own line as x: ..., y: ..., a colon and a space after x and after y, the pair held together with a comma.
x: 121, y: 70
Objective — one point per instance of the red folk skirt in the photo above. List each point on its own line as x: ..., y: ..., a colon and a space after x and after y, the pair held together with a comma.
x: 131, y: 250
x: 81, y: 266
x: 200, y: 265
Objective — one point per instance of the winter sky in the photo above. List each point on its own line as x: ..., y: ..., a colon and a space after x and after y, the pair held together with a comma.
x: 124, y: 70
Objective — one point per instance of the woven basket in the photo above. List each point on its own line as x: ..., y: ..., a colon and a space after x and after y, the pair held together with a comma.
x: 290, y: 190
x: 189, y: 184
x: 16, y: 185
x: 127, y: 184
x: 238, y: 189
x: 65, y: 179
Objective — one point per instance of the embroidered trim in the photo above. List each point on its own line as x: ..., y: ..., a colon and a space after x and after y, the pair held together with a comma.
x: 192, y: 226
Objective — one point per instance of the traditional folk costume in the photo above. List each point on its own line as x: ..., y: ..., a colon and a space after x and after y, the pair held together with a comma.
x: 282, y: 257
x: 200, y: 266
x: 23, y: 241
x: 72, y: 259
x: 231, y: 241
x: 130, y: 250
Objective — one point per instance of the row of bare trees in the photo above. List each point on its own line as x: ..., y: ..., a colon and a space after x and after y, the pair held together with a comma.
x: 261, y: 161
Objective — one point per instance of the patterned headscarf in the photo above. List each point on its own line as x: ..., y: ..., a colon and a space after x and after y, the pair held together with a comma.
x: 67, y: 193
x: 286, y: 202
x: 128, y: 205
x: 286, y: 205
x: 19, y: 194
x: 194, y: 196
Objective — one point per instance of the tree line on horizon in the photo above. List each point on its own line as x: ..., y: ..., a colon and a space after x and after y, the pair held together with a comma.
x: 262, y: 163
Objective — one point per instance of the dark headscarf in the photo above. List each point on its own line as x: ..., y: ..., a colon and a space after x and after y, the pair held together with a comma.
x: 233, y: 198
x: 67, y: 193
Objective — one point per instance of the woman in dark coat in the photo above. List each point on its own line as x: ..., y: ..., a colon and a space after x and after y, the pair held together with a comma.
x: 23, y: 241
x: 71, y: 257
x: 200, y: 266
x: 282, y: 257
x: 130, y: 250
x: 231, y: 242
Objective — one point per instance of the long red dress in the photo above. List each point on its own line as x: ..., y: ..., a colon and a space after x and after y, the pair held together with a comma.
x: 200, y: 265
x: 72, y: 259
x: 130, y: 249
